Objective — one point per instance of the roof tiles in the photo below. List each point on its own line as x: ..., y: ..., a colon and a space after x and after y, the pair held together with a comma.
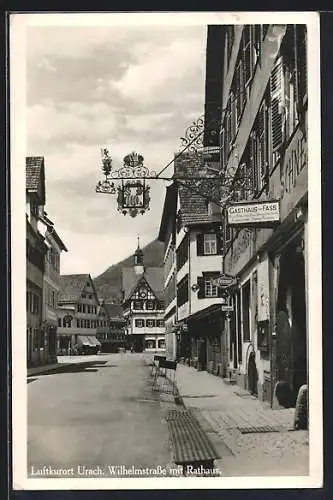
x: 33, y: 166
x: 71, y: 286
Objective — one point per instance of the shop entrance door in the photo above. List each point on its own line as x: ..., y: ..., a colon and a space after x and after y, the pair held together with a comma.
x: 291, y: 319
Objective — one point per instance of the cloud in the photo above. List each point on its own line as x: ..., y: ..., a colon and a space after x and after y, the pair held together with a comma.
x: 84, y: 123
x: 129, y: 88
x: 157, y: 73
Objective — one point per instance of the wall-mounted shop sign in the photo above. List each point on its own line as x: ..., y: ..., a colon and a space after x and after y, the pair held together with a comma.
x: 224, y: 281
x: 254, y: 214
x: 227, y: 308
x: 294, y: 173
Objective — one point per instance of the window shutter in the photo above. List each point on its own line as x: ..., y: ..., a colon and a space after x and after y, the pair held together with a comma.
x: 200, y: 244
x: 276, y: 125
x: 277, y: 103
x: 219, y: 242
x: 201, y: 291
x: 220, y: 292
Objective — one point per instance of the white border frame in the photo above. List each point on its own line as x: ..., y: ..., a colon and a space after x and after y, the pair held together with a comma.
x: 18, y: 27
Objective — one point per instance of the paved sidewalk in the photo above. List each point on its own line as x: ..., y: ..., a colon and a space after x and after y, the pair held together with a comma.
x: 226, y: 412
x: 60, y: 366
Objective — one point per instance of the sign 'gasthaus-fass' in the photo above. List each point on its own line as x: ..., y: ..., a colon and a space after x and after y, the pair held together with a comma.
x: 254, y: 213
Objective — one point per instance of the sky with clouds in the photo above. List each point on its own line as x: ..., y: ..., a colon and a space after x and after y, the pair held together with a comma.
x: 132, y: 87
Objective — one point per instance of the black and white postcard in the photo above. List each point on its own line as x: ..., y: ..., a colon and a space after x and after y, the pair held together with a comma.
x: 166, y: 250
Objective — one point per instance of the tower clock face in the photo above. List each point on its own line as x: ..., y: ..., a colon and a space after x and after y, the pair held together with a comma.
x: 142, y: 293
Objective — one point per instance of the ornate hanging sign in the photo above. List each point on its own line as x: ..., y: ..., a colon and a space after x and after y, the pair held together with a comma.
x: 193, y: 138
x: 133, y: 192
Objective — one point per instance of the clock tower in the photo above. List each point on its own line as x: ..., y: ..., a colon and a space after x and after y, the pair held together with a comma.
x: 138, y: 260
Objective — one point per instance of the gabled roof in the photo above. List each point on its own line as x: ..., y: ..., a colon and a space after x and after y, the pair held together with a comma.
x: 72, y: 285
x: 35, y: 176
x: 152, y: 275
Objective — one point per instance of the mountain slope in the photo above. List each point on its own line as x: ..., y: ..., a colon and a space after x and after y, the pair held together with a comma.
x: 108, y: 284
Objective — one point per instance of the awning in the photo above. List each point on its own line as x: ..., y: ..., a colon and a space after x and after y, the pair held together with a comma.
x: 94, y: 341
x: 88, y: 341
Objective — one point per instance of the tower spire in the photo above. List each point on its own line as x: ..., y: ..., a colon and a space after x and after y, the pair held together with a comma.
x: 138, y: 258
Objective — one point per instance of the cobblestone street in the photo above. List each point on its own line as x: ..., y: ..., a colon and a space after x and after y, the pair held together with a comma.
x: 225, y: 411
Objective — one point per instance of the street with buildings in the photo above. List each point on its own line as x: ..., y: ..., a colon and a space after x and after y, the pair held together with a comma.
x: 225, y: 307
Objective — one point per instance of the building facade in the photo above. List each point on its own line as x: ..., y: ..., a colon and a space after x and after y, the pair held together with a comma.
x: 143, y: 305
x: 198, y: 262
x: 263, y: 138
x: 51, y: 285
x: 35, y: 261
x: 167, y: 234
x: 78, y: 308
x: 111, y: 327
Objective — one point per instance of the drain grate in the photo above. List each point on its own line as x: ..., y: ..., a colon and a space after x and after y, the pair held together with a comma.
x: 258, y: 430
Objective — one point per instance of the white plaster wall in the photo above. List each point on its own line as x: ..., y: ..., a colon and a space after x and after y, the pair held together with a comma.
x: 183, y: 271
x: 183, y: 311
x: 198, y: 265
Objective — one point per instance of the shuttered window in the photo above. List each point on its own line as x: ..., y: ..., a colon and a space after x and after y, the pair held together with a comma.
x: 182, y: 291
x: 182, y: 253
x: 277, y: 103
x: 239, y: 89
x: 263, y: 141
x: 247, y: 54
x: 200, y: 244
x: 207, y: 289
x: 210, y: 244
x: 210, y: 289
